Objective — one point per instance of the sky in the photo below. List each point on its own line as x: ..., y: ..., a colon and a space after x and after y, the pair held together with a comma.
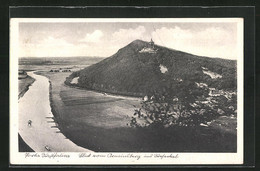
x: 103, y: 39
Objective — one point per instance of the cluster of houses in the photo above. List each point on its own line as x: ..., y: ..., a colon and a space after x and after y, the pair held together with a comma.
x: 60, y: 70
x: 215, y: 92
x: 176, y: 106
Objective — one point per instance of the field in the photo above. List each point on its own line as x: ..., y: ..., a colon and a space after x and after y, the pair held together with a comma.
x: 98, y: 121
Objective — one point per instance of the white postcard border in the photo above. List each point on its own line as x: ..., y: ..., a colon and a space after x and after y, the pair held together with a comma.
x: 43, y: 158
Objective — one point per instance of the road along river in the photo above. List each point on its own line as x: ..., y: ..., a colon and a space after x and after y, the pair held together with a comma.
x: 43, y: 134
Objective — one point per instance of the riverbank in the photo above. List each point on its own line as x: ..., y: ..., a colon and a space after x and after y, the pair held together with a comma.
x: 105, y: 93
x: 23, y: 147
x: 43, y: 131
x: 24, y: 85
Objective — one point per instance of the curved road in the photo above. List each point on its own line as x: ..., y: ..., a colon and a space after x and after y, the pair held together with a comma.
x: 42, y: 135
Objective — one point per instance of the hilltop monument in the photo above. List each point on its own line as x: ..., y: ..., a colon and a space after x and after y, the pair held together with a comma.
x: 151, y: 43
x: 150, y: 48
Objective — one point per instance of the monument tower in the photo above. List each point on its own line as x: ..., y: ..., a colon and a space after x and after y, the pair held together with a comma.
x: 151, y: 43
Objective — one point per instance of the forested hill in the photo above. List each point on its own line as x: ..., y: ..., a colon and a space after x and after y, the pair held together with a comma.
x: 136, y: 70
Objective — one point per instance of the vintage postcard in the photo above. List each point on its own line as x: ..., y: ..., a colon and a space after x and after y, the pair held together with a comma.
x: 128, y: 91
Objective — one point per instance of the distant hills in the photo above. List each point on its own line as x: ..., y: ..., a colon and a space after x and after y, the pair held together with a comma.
x: 82, y: 60
x: 138, y: 68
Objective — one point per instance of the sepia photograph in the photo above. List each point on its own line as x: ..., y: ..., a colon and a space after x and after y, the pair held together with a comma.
x: 136, y: 90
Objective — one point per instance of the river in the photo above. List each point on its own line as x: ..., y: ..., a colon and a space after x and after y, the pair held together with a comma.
x: 43, y: 134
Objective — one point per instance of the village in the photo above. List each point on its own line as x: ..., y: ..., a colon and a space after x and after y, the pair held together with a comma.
x: 61, y: 70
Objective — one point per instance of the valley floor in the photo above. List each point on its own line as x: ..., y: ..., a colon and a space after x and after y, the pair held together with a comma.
x: 99, y: 122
